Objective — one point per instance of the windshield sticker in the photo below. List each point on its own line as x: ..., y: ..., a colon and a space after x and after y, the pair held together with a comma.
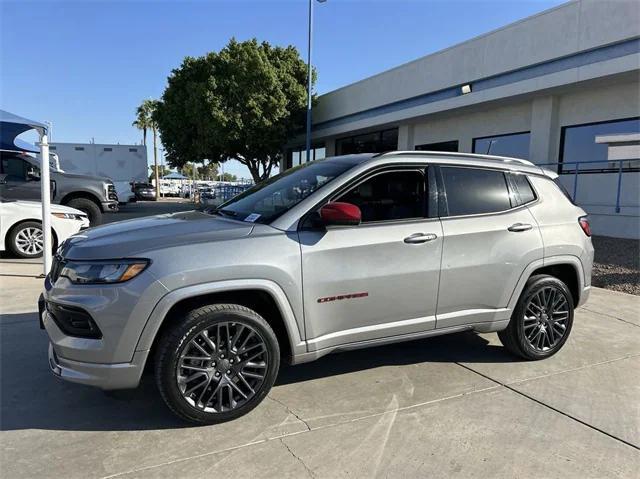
x: 252, y: 218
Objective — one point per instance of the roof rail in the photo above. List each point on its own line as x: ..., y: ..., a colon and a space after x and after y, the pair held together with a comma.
x: 503, y: 159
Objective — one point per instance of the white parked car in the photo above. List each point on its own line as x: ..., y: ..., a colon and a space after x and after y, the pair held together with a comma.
x: 21, y: 226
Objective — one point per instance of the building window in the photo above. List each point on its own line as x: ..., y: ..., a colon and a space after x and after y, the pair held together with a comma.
x: 133, y: 150
x: 440, y: 146
x: 53, y: 148
x: 597, y: 146
x: 472, y: 191
x: 297, y: 156
x: 108, y: 149
x: 374, y: 142
x: 515, y: 145
x: 79, y: 148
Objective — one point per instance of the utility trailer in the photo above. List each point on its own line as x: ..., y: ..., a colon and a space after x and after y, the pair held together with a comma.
x: 123, y: 164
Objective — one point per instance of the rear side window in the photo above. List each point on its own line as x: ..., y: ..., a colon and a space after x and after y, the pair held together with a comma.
x: 472, y: 191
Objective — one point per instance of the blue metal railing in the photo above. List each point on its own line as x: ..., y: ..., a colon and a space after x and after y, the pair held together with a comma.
x: 620, y: 170
x: 226, y: 192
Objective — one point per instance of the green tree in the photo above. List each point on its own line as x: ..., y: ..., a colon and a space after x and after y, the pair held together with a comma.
x: 229, y: 177
x: 146, y: 120
x: 243, y: 102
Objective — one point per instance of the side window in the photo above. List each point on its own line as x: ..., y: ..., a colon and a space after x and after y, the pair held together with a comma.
x: 395, y: 195
x: 523, y: 189
x: 14, y: 168
x: 472, y: 191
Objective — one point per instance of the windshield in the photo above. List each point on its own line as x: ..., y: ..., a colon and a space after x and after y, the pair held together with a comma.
x: 267, y: 200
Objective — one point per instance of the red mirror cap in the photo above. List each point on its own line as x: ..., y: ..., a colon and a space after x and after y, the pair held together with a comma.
x: 340, y: 214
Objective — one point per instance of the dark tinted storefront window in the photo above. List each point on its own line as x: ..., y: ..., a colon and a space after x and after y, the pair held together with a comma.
x: 298, y: 156
x: 515, y: 145
x: 375, y: 142
x: 440, y: 146
x: 473, y: 191
x: 600, y: 143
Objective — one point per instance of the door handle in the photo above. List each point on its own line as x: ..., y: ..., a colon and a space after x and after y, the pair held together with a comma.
x: 417, y: 238
x: 520, y: 227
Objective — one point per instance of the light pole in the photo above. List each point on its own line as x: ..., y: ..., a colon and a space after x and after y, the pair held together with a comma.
x: 309, y: 75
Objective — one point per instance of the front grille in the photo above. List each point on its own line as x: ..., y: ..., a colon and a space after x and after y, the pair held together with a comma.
x: 111, y: 193
x: 73, y: 321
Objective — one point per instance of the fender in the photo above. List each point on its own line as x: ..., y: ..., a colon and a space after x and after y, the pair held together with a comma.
x: 548, y: 261
x: 159, y: 312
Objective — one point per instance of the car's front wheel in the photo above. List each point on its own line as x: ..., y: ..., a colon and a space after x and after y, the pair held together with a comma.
x: 26, y: 240
x: 217, y: 363
x: 542, y: 319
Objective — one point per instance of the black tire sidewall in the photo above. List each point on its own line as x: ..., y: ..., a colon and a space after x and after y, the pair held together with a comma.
x: 532, y: 288
x: 172, y: 343
x: 89, y: 207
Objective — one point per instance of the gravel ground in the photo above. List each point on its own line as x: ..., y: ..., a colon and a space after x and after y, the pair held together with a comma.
x: 617, y: 264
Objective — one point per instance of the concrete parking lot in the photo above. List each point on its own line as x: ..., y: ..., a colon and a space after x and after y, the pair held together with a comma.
x: 451, y: 406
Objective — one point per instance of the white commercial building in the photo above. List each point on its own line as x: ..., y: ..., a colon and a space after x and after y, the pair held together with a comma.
x: 559, y: 88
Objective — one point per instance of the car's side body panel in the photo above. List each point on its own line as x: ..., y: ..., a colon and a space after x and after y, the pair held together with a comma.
x: 481, y: 262
x: 365, y: 283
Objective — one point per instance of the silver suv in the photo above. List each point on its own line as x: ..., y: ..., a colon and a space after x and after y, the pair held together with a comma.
x: 344, y: 253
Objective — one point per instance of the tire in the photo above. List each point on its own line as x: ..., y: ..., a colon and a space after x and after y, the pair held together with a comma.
x: 89, y: 207
x: 175, y: 364
x: 23, y: 238
x: 532, y: 333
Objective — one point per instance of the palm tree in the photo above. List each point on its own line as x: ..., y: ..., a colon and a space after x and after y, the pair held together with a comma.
x: 145, y: 120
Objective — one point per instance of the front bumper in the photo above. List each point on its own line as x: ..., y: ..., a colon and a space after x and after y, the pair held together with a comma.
x: 103, y: 376
x: 111, y: 206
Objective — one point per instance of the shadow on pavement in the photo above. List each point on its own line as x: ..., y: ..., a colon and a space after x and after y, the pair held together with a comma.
x: 32, y: 398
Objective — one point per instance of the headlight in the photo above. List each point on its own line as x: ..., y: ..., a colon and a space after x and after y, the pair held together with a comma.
x: 69, y: 216
x: 103, y: 272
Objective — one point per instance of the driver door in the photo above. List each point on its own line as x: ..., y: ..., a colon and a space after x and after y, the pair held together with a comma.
x: 377, y: 279
x: 22, y: 180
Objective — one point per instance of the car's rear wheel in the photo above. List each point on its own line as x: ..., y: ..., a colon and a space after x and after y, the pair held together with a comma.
x: 26, y: 240
x: 542, y: 319
x: 217, y: 363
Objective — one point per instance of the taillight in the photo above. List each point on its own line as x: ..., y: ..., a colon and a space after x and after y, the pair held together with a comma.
x: 584, y: 224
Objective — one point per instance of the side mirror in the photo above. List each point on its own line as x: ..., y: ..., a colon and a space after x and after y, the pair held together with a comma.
x: 340, y: 214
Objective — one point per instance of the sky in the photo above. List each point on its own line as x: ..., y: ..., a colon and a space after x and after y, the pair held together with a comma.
x: 86, y: 65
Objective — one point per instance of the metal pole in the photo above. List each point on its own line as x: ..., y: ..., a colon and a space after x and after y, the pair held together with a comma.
x: 575, y: 182
x: 45, y: 191
x: 309, y: 79
x: 619, y: 187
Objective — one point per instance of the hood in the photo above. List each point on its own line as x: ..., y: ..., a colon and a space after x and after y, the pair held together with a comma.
x: 133, y: 237
x: 37, y: 206
x: 101, y: 179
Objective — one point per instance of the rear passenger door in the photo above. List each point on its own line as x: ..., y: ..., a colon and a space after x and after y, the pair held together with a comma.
x: 489, y: 238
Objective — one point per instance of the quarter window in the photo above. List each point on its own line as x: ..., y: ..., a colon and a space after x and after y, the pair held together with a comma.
x: 472, y: 191
x: 394, y: 195
x: 524, y: 192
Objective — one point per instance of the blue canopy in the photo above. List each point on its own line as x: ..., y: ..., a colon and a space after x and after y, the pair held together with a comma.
x: 13, y: 125
x: 174, y: 176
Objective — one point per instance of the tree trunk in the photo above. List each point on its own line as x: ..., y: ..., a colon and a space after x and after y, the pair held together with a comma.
x: 144, y: 136
x: 155, y: 163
